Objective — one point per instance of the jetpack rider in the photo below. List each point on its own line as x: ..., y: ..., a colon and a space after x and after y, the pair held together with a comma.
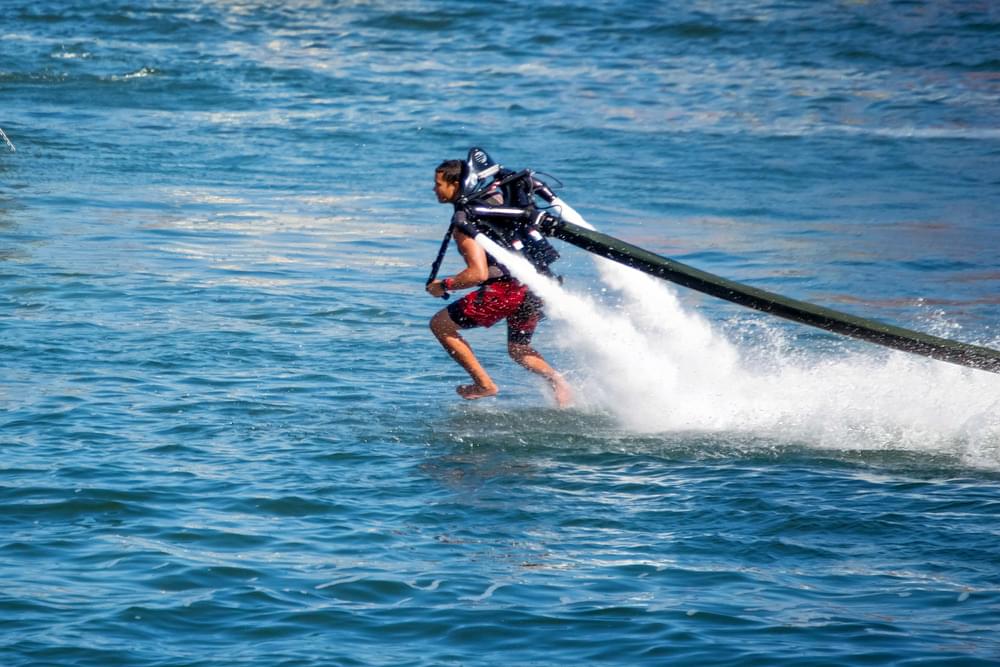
x: 481, y: 208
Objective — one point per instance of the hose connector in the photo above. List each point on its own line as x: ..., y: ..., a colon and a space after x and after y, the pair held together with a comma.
x: 547, y: 223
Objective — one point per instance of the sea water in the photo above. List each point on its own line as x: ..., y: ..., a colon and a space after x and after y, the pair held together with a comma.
x: 228, y: 437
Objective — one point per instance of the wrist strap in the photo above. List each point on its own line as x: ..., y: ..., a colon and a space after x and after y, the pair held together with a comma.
x: 447, y: 283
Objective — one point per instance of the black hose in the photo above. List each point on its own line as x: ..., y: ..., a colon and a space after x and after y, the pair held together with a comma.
x: 964, y: 354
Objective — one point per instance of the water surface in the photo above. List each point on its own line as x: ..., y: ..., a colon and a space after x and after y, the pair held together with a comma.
x: 229, y: 439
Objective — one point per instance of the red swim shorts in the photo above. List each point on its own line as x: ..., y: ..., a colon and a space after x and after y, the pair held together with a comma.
x: 502, y: 299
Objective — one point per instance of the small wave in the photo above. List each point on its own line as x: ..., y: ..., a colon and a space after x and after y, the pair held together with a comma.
x: 485, y: 595
x: 806, y: 129
x: 365, y: 589
x: 32, y: 77
x: 429, y: 21
x: 688, y: 29
x: 140, y: 73
x: 970, y: 134
x: 70, y: 55
x: 77, y: 51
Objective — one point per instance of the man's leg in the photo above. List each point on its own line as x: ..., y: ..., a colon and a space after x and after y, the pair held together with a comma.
x: 528, y: 357
x: 446, y: 331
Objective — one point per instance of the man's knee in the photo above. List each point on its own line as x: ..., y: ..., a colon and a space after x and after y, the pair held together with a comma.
x: 442, y: 324
x: 437, y: 322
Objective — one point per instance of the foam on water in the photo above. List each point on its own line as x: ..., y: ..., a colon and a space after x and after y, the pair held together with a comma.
x: 658, y: 367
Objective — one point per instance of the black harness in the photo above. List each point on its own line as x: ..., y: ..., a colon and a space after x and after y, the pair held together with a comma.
x: 509, y: 219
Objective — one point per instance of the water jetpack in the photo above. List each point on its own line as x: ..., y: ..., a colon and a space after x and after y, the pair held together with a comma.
x: 559, y: 220
x: 519, y: 218
x: 511, y: 221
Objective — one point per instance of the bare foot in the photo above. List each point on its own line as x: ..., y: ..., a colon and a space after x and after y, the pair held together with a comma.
x: 561, y: 390
x: 471, y: 392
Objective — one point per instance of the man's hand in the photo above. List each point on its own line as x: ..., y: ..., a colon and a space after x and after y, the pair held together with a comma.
x: 436, y: 288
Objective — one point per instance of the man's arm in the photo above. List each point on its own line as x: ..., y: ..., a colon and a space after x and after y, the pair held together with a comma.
x: 476, y: 269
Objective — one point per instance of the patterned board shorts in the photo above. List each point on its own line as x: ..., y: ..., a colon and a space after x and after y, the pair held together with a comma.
x: 502, y: 299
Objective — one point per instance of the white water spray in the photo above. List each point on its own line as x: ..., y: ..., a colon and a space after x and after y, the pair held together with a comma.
x: 659, y: 368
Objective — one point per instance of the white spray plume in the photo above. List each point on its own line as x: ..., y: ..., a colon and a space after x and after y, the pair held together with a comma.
x: 659, y: 368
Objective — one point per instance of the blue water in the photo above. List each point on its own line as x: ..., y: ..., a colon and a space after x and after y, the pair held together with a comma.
x: 228, y: 437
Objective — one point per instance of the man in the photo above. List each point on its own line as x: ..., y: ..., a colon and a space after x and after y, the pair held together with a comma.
x: 498, y: 297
